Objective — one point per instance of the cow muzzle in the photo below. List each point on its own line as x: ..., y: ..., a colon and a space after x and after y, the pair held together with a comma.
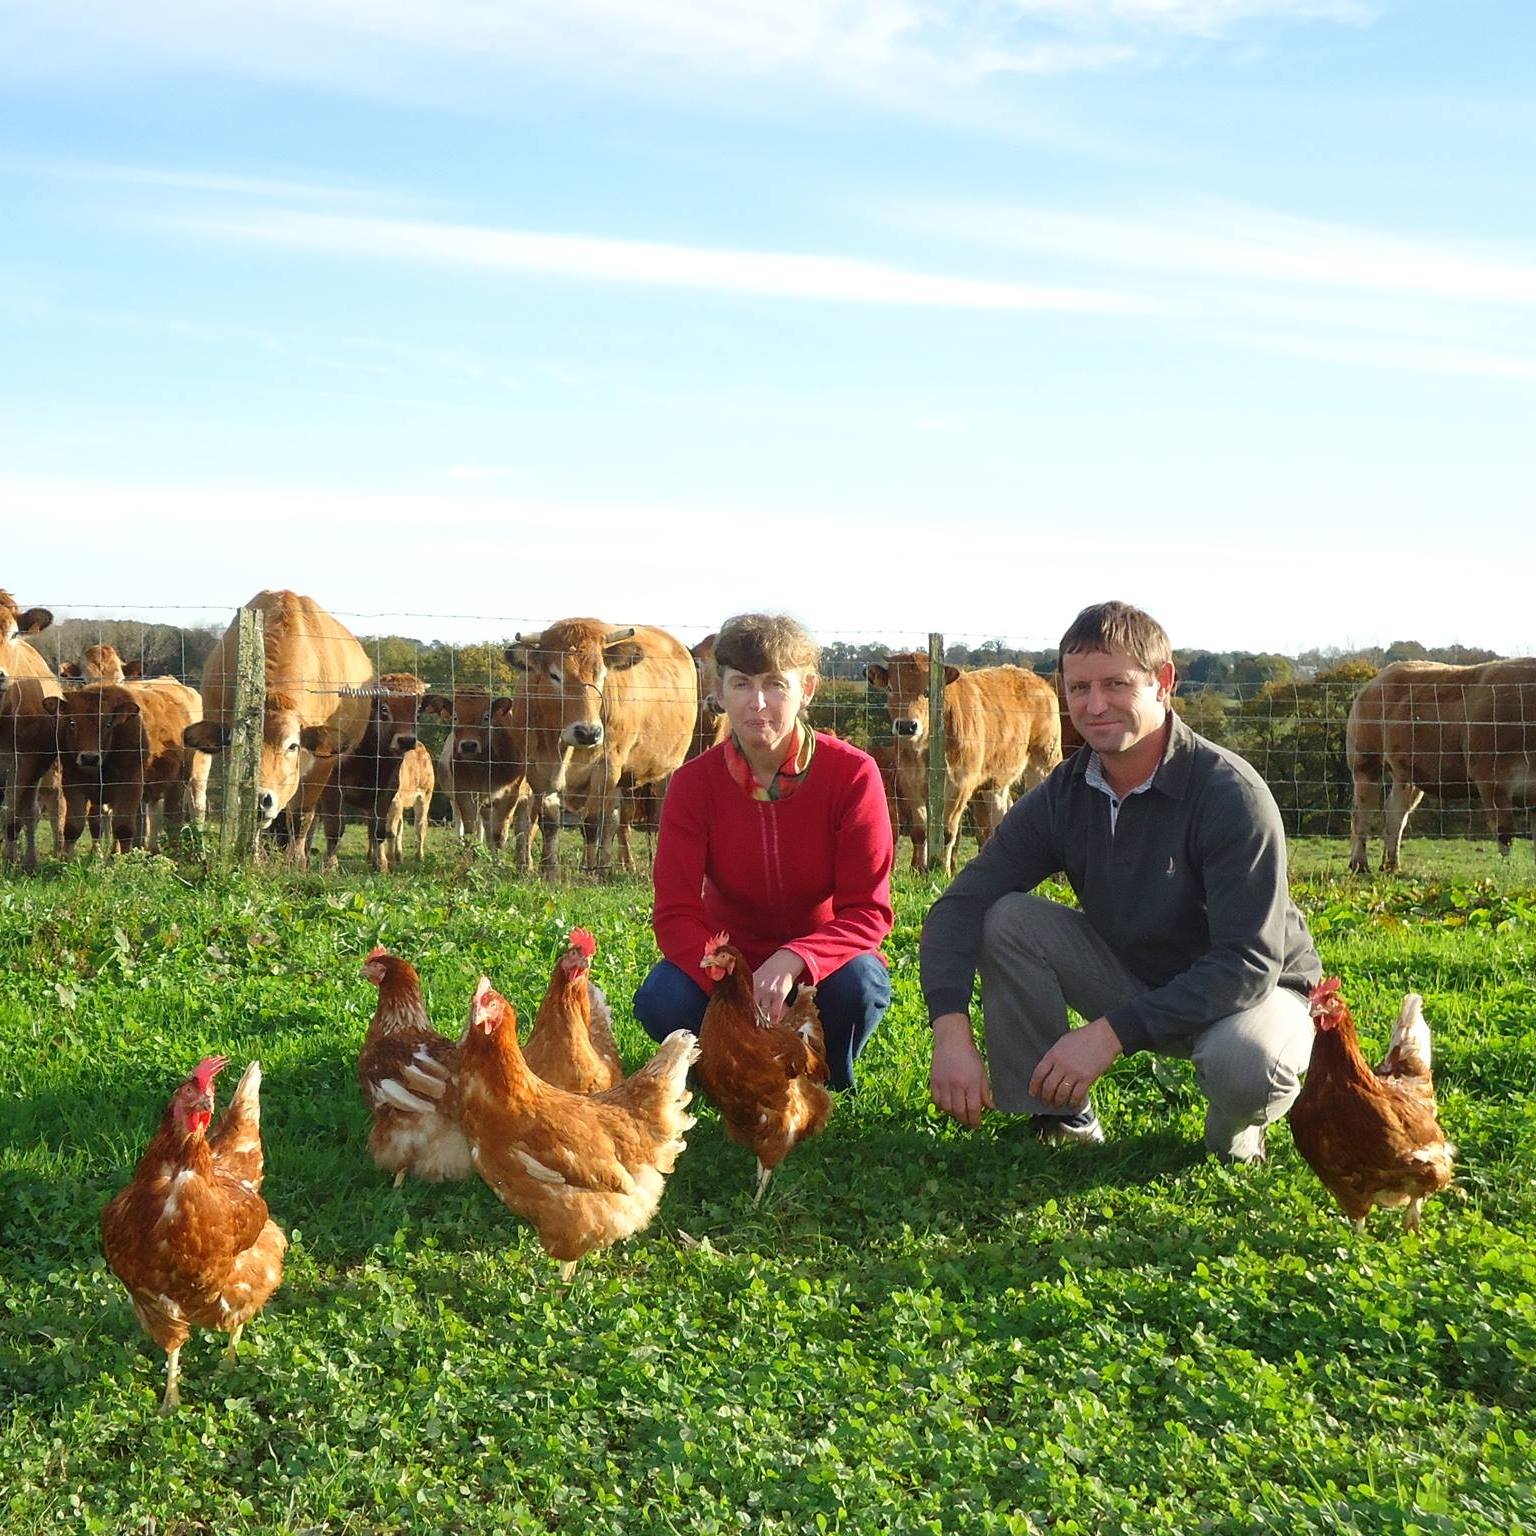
x: 403, y: 743
x: 584, y: 734
x: 906, y: 728
x: 88, y: 759
x: 466, y: 749
x: 266, y: 807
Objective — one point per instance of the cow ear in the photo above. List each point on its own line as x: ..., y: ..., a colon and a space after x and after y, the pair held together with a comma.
x: 436, y: 706
x: 126, y: 709
x: 500, y: 707
x: 34, y: 621
x: 52, y: 706
x: 950, y: 674
x: 878, y: 676
x: 133, y: 669
x: 519, y: 657
x: 622, y: 655
x: 70, y: 669
x: 320, y: 740
x: 205, y: 736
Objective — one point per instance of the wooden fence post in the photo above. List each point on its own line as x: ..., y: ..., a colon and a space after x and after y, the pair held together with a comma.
x: 242, y: 757
x: 937, y: 769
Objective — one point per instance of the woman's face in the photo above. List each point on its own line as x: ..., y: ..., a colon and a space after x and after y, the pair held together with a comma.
x: 762, y: 707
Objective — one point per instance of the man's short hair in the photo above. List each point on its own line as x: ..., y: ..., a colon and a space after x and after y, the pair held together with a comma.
x: 755, y: 643
x: 1118, y: 627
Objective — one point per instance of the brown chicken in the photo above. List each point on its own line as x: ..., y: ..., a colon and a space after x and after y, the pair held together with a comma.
x: 586, y: 1171
x: 406, y: 1072
x: 1371, y: 1137
x: 190, y: 1236
x: 572, y: 1045
x: 766, y: 1079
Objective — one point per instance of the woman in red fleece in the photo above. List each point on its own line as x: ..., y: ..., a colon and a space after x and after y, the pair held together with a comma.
x: 781, y: 837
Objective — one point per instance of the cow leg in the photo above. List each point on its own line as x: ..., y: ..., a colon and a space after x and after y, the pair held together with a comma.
x: 1363, y: 808
x: 1501, y: 812
x: 333, y: 823
x: 549, y: 832
x: 955, y: 803
x: 127, y: 815
x: 75, y: 818
x: 423, y: 806
x: 1401, y: 801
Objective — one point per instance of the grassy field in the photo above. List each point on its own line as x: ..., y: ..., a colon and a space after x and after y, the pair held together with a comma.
x: 923, y: 1329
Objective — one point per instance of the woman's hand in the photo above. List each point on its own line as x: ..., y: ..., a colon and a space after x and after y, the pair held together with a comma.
x: 773, y: 981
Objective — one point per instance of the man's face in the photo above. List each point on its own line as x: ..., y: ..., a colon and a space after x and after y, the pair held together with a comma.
x: 1113, y: 702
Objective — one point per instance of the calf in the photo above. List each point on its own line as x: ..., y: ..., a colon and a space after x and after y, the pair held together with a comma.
x: 121, y: 754
x: 1001, y: 724
x: 484, y: 785
x: 28, y: 772
x: 101, y: 664
x: 386, y: 774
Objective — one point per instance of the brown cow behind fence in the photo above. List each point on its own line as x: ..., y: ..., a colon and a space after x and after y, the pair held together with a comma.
x: 603, y: 705
x: 1001, y: 726
x: 711, y: 726
x: 29, y: 777
x: 484, y: 786
x: 101, y: 664
x: 388, y: 773
x: 122, y: 755
x: 314, y: 709
x: 1429, y: 727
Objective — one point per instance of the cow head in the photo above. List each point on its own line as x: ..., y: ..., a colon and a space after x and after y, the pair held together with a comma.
x: 397, y: 709
x: 14, y: 622
x: 288, y: 750
x: 101, y: 664
x: 566, y: 670
x: 94, y: 721
x: 904, y: 677
x: 709, y: 677
x: 471, y: 715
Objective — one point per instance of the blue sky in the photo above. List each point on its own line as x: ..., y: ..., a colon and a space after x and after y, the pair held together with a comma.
x: 895, y: 314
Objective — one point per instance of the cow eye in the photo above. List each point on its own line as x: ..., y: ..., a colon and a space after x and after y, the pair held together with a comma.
x: 293, y: 746
x: 554, y: 675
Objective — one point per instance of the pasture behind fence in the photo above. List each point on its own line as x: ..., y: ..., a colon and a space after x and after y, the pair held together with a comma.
x: 1291, y: 728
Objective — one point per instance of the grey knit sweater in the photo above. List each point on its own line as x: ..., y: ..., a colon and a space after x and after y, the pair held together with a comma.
x: 1190, y: 890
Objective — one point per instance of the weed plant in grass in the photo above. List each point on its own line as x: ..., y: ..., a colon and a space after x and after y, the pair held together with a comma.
x: 922, y: 1330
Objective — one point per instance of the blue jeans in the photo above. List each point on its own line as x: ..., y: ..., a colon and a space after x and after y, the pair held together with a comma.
x: 850, y: 1001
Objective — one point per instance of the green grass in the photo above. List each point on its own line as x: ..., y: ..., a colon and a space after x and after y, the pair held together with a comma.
x: 923, y: 1329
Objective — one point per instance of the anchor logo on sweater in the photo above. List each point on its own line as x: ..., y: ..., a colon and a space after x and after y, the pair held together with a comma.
x: 1169, y: 872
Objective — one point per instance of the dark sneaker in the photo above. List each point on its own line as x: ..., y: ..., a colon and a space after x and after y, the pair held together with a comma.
x: 1083, y: 1127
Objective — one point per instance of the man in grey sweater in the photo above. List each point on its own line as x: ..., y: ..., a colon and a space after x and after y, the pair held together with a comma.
x: 1186, y: 941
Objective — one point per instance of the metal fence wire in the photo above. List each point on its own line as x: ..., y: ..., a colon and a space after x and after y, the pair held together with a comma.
x: 95, y: 742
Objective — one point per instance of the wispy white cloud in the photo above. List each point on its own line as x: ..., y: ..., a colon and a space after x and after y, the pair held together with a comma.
x: 1256, y: 246
x: 56, y: 168
x: 862, y: 45
x: 773, y: 274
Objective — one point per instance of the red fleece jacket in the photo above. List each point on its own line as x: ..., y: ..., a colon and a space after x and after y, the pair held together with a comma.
x: 810, y: 874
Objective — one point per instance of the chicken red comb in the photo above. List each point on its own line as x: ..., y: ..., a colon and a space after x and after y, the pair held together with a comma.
x: 1329, y: 986
x: 583, y: 943
x: 716, y: 944
x: 208, y: 1069
x: 378, y: 952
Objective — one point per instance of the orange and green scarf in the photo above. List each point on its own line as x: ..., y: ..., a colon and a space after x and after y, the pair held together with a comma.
x: 789, y: 775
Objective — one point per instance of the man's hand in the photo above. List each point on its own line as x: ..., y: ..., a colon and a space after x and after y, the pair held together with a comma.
x: 958, y: 1080
x: 773, y: 981
x: 1074, y: 1064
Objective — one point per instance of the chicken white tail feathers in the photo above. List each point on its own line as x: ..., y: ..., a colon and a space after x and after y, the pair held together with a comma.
x: 673, y: 1057
x: 247, y: 1095
x: 1409, y: 1054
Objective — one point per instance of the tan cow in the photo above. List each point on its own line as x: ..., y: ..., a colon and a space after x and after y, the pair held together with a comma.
x: 603, y: 704
x: 388, y: 773
x: 29, y: 775
x: 101, y: 664
x: 1429, y: 727
x: 712, y: 727
x: 122, y: 754
x: 316, y: 706
x: 1001, y: 726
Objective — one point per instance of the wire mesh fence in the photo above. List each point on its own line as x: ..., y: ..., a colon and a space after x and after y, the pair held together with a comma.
x: 484, y: 732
